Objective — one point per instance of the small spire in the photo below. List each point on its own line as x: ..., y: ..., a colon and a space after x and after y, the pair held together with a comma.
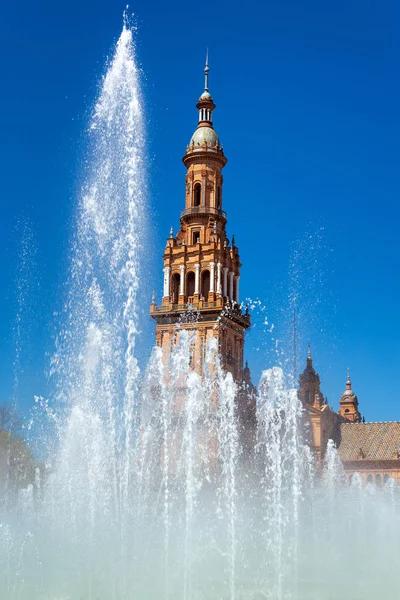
x: 309, y: 357
x: 348, y: 382
x: 171, y: 232
x: 348, y: 391
x: 233, y: 240
x: 153, y: 297
x: 206, y: 71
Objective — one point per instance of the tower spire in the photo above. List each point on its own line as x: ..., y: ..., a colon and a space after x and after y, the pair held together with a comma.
x: 309, y: 356
x: 310, y: 383
x: 206, y: 71
x: 348, y: 384
x: 205, y: 138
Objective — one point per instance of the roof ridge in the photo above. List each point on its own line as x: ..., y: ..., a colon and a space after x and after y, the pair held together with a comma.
x: 371, y: 423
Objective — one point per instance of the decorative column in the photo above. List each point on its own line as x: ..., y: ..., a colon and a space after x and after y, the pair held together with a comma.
x: 212, y: 276
x: 197, y: 278
x: 219, y: 267
x: 237, y: 288
x: 167, y: 271
x: 225, y: 288
x: 182, y: 282
x: 231, y: 274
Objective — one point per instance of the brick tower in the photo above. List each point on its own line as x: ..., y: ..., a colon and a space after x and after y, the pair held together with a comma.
x: 201, y: 265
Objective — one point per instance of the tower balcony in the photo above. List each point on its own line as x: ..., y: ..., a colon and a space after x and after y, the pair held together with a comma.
x: 201, y: 311
x: 203, y: 210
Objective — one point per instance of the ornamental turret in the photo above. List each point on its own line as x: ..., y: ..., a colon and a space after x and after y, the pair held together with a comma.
x: 349, y: 403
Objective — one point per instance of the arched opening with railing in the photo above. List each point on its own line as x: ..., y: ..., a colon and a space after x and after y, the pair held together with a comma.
x: 176, y: 283
x: 190, y: 282
x: 205, y: 284
x: 197, y: 194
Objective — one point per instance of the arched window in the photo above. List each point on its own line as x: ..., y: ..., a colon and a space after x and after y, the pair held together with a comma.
x: 176, y: 282
x: 197, y: 194
x: 347, y: 410
x: 205, y: 284
x: 386, y: 478
x: 378, y: 480
x: 370, y: 479
x: 218, y: 203
x: 190, y: 285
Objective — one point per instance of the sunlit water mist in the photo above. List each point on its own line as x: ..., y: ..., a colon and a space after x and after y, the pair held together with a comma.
x: 299, y: 309
x: 149, y: 493
x: 26, y: 292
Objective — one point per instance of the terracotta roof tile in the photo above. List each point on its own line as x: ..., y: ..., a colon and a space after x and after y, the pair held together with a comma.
x: 369, y: 441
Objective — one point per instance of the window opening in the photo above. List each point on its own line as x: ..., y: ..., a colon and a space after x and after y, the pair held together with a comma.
x: 205, y: 284
x: 190, y: 284
x: 197, y: 194
x: 218, y: 197
x: 176, y: 282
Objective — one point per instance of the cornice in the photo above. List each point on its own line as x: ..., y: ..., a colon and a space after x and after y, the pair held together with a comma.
x: 204, y: 156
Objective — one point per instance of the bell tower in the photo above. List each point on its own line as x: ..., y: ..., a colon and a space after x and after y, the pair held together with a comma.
x: 201, y: 265
x: 349, y: 403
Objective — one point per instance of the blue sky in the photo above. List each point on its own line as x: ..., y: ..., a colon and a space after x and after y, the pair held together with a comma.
x: 308, y: 98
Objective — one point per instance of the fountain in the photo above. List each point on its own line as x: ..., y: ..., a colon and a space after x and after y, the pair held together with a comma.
x: 147, y: 492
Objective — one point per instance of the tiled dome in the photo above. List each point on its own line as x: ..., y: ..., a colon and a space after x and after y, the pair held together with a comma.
x: 204, y: 134
x: 205, y: 96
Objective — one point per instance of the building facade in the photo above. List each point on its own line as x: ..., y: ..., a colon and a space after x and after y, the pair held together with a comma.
x: 370, y: 449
